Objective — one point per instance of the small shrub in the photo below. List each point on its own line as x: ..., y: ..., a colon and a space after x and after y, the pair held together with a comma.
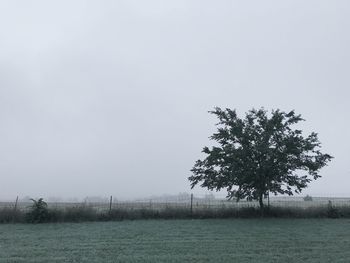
x: 39, y: 212
x: 332, y: 212
x: 307, y: 198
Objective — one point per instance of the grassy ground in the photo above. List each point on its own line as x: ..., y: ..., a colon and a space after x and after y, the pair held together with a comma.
x: 227, y: 240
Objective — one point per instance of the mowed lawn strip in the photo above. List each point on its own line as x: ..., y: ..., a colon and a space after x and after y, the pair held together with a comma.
x: 229, y: 240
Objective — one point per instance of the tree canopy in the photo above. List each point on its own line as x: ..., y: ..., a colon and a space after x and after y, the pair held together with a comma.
x: 259, y: 154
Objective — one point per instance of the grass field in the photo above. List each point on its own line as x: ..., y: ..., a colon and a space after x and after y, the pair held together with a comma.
x: 226, y: 240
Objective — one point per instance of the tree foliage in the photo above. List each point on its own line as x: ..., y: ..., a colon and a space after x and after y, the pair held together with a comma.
x: 258, y: 154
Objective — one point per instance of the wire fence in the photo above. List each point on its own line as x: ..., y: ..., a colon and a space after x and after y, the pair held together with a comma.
x: 191, y: 202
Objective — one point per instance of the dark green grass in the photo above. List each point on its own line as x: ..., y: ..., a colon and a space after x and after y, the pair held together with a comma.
x: 210, y: 240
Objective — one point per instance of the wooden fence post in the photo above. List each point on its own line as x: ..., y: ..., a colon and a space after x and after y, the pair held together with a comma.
x: 16, y: 203
x: 191, y: 204
x: 110, y: 204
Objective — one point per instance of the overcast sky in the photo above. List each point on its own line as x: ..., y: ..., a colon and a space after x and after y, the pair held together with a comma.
x: 111, y: 97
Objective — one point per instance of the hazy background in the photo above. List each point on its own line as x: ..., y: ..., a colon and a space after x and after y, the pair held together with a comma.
x: 111, y: 97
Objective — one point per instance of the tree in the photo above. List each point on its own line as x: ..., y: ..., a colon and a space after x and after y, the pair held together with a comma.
x: 259, y: 154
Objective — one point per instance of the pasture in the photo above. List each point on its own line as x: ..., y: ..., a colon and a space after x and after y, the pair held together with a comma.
x: 211, y: 240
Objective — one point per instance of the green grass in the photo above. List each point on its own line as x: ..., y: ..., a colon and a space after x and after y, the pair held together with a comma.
x: 210, y: 240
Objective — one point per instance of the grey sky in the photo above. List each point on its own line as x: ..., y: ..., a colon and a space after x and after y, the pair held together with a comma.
x: 111, y: 97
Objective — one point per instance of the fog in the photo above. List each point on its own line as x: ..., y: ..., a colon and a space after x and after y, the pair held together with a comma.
x: 102, y: 98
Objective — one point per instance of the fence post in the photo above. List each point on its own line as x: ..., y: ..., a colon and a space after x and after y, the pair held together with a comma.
x: 110, y: 204
x: 16, y: 203
x: 191, y: 204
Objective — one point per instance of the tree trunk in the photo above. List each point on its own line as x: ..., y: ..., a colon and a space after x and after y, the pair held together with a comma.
x: 261, y: 204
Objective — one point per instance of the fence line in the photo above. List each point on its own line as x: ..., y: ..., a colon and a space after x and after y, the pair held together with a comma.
x: 191, y: 202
